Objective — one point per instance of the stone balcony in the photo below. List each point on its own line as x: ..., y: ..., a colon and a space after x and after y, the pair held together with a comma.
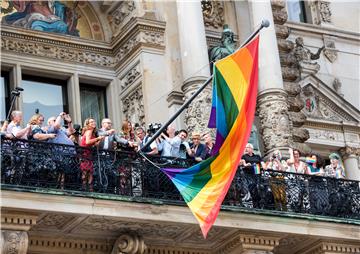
x: 132, y: 204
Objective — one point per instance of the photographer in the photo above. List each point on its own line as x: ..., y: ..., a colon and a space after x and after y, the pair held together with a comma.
x: 62, y: 135
x: 111, y: 138
x: 63, y: 155
x: 276, y: 162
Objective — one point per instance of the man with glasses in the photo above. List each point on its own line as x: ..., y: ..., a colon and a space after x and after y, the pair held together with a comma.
x: 111, y: 138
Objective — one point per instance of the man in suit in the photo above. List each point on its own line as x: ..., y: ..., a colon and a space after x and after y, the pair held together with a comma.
x: 108, y: 143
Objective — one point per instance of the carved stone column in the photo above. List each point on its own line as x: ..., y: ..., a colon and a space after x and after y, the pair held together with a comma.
x: 129, y: 243
x: 274, y: 119
x: 194, y: 61
x: 272, y: 104
x: 14, y: 236
x: 350, y: 156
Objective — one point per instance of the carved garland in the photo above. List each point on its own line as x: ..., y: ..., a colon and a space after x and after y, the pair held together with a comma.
x: 213, y: 13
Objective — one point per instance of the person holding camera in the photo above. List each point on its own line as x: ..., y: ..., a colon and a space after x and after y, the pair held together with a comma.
x: 110, y: 137
x: 62, y: 134
x: 276, y: 162
x: 62, y: 154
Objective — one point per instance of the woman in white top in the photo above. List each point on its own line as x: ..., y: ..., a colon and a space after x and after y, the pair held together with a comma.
x: 295, y: 165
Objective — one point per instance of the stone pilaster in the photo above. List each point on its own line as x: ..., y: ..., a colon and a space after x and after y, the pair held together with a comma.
x: 291, y: 75
x: 194, y: 61
x: 351, y: 156
x: 272, y: 99
x: 14, y: 236
x: 129, y: 243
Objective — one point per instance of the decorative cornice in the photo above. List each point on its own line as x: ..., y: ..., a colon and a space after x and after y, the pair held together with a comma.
x: 321, y: 247
x: 17, y: 221
x: 54, y: 39
x: 74, y: 246
x: 175, y: 97
x: 137, y: 33
x: 315, y: 29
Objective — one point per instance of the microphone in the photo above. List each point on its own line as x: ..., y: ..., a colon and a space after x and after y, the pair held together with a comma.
x: 265, y: 23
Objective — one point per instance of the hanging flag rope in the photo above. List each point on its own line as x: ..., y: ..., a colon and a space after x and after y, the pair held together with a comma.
x: 204, y: 185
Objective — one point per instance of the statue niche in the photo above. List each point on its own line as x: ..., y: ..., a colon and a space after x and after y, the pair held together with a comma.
x: 227, y: 46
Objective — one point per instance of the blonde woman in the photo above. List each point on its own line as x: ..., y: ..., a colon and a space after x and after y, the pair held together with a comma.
x: 88, y: 140
x: 37, y: 132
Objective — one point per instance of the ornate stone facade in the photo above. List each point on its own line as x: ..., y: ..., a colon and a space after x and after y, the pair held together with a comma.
x: 197, y: 114
x: 129, y: 243
x: 213, y: 13
x: 117, y: 15
x: 272, y: 109
x: 291, y: 74
x: 14, y: 242
x: 133, y: 107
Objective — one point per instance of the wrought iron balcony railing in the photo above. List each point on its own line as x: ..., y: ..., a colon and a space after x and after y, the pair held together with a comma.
x: 35, y: 166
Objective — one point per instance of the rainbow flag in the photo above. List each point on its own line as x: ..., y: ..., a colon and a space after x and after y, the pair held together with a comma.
x: 204, y: 185
x: 256, y: 169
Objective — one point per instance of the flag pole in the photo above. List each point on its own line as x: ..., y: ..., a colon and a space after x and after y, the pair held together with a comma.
x: 264, y: 23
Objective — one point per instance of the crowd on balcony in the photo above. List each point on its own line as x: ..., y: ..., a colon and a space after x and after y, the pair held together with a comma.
x: 170, y: 144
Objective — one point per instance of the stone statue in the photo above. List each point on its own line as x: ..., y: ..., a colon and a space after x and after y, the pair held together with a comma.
x: 304, y: 54
x: 226, y: 47
x: 305, y: 58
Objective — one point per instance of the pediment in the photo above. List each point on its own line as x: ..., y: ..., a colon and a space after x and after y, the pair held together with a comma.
x: 321, y: 102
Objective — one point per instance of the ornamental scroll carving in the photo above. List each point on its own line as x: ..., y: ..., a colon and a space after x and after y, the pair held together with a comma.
x: 133, y: 107
x: 129, y: 243
x: 325, y: 12
x: 117, y: 16
x: 213, y: 13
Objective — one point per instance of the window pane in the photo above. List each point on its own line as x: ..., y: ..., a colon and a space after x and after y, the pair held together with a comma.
x: 48, y: 98
x: 4, y: 95
x: 2, y: 99
x: 93, y: 103
x: 296, y: 10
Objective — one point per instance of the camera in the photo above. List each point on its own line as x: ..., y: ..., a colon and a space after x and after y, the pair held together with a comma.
x: 153, y: 128
x: 78, y: 129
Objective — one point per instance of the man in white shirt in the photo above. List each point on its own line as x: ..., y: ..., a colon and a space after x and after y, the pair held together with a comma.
x: 14, y: 127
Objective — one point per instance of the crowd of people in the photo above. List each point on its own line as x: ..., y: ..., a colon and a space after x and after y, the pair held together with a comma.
x: 312, y: 165
x: 171, y: 143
